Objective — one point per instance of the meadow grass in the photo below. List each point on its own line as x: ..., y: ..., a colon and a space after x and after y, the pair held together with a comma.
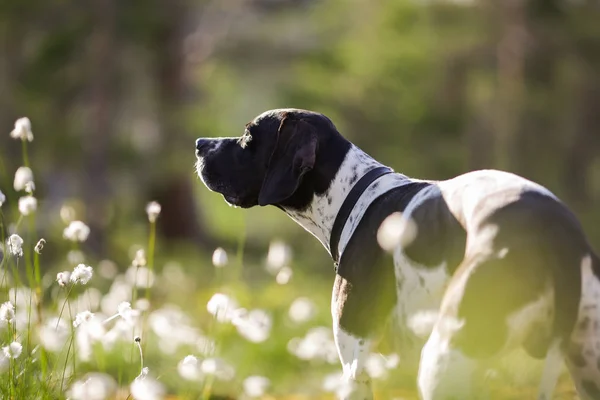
x: 144, y: 328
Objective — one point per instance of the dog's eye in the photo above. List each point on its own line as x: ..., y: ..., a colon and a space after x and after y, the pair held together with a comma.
x: 245, y: 139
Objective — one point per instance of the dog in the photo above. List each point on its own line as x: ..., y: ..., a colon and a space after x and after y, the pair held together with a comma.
x: 499, y: 260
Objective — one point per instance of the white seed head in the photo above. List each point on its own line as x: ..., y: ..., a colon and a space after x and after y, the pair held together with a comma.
x: 82, y: 317
x: 153, y: 211
x: 67, y: 213
x: 53, y: 334
x: 30, y: 187
x: 256, y: 386
x: 13, y: 350
x: 27, y: 205
x: 302, y: 310
x: 40, y: 246
x: 375, y: 366
x: 22, y: 130
x: 317, y: 344
x: 141, y: 277
x: 15, y: 245
x: 396, y: 230
x: 81, y: 274
x: 219, y: 258
x: 254, y: 326
x: 2, y: 198
x: 217, y: 367
x: 23, y: 178
x: 125, y: 311
x: 222, y: 307
x: 284, y: 275
x: 140, y: 258
x: 189, y: 368
x: 77, y: 231
x: 422, y: 322
x: 93, y: 386
x: 7, y: 312
x: 279, y: 255
x: 145, y: 387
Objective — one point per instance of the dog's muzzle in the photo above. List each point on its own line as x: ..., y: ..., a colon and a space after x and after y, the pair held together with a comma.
x: 201, y: 146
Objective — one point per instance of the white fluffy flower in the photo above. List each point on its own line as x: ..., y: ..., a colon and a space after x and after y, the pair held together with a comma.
x: 302, y: 310
x: 142, y: 277
x: 218, y: 368
x: 15, y: 245
x: 27, y: 205
x: 146, y: 388
x: 2, y: 198
x: 256, y: 386
x: 40, y: 246
x: 90, y: 332
x: 219, y: 258
x: 23, y: 178
x: 140, y: 258
x: 124, y: 311
x: 153, y: 210
x: 255, y: 326
x: 82, y: 317
x: 396, y: 230
x: 13, y: 350
x: 7, y: 312
x: 189, y: 368
x: 222, y: 307
x: 22, y: 130
x: 63, y: 278
x: 279, y: 255
x: 93, y: 386
x: 4, y: 363
x: 53, y: 334
x: 77, y: 231
x: 317, y: 344
x: 421, y: 323
x: 81, y: 274
x: 284, y: 275
x: 30, y: 187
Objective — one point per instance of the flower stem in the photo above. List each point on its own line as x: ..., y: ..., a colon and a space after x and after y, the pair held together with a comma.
x: 64, y: 304
x: 141, y: 357
x: 151, y: 245
x: 25, y: 156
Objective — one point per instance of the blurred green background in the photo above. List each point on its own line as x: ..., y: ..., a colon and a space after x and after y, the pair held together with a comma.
x: 118, y: 90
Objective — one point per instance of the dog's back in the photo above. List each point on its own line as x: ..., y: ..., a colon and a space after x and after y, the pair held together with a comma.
x: 529, y: 279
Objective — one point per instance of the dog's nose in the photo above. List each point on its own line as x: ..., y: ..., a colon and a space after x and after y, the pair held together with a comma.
x: 200, y: 143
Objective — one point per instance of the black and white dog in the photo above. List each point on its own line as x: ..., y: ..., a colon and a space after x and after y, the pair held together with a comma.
x: 500, y: 260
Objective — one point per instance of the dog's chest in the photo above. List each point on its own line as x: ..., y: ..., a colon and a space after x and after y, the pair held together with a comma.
x: 375, y: 285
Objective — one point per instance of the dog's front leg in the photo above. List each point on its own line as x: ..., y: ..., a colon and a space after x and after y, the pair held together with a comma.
x: 353, y: 351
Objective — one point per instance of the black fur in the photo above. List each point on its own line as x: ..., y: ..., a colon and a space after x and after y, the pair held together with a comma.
x: 238, y: 167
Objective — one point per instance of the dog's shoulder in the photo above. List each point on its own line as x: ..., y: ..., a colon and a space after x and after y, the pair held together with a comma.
x: 439, y: 237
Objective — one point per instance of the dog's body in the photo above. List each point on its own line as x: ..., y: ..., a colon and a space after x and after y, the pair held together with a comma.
x: 498, y: 260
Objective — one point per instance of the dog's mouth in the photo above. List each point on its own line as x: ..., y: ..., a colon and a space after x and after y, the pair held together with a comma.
x: 233, y: 201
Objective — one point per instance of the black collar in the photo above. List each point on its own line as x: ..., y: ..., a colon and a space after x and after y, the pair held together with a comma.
x: 348, y: 204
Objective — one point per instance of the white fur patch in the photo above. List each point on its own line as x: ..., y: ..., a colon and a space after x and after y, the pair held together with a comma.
x: 585, y: 339
x: 319, y: 217
x: 444, y: 372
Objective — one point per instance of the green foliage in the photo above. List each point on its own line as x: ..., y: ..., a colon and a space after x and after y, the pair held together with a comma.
x: 431, y: 88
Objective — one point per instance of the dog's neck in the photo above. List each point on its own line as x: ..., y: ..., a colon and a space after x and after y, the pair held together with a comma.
x: 319, y: 216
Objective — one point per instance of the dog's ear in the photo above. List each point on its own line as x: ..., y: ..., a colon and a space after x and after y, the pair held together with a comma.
x: 293, y: 156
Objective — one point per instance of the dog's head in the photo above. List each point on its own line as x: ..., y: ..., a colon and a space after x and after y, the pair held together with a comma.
x: 284, y: 157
